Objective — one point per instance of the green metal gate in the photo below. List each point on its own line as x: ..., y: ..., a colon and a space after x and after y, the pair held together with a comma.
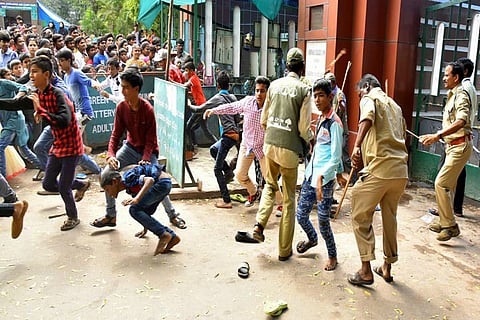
x: 455, y: 20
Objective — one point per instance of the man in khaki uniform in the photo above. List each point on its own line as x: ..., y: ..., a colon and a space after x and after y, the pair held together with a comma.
x: 457, y: 134
x: 286, y: 118
x: 380, y: 145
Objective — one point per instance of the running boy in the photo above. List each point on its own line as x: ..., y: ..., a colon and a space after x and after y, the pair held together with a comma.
x: 51, y: 105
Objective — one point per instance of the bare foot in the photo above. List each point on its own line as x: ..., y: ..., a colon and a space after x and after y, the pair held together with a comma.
x: 142, y: 233
x: 20, y: 207
x: 331, y: 264
x: 163, y: 242
x: 172, y: 243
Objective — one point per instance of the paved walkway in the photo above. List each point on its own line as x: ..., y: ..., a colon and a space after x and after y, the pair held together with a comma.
x: 90, y: 273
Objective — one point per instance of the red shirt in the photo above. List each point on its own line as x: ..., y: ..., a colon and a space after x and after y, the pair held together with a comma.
x: 59, y: 112
x: 175, y: 74
x: 140, y: 126
x: 196, y: 89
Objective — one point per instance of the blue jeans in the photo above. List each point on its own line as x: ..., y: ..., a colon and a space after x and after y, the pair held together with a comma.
x: 64, y: 166
x: 219, y: 151
x: 6, y: 138
x: 143, y: 211
x: 126, y: 155
x: 44, y: 143
x: 307, y: 199
x: 6, y: 191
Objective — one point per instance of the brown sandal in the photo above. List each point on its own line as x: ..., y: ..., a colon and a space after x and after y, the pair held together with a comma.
x: 303, y: 246
x: 104, y: 222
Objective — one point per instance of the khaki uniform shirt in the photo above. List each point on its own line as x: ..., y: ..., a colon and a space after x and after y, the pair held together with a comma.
x: 384, y: 152
x: 458, y: 107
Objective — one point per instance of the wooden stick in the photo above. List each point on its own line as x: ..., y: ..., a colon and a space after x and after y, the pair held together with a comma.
x: 339, y: 55
x: 349, y: 64
x: 344, y: 193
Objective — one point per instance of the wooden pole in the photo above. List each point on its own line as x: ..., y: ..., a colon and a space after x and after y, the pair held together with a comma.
x: 344, y: 193
x: 169, y: 39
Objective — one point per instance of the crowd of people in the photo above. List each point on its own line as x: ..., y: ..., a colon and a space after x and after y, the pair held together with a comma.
x: 44, y: 76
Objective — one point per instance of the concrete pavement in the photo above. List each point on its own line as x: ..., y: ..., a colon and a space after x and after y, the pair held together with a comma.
x: 109, y: 274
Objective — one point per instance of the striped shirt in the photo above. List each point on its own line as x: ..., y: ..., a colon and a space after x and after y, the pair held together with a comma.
x: 59, y: 112
x: 253, y: 133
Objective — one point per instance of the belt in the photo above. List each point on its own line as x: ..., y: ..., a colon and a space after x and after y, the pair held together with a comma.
x: 460, y: 140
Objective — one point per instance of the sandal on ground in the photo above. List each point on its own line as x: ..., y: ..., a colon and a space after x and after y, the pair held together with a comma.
x: 178, y: 222
x: 104, y: 222
x: 243, y: 270
x: 378, y: 270
x: 356, y: 279
x: 303, y: 246
x: 238, y: 197
x: 69, y: 224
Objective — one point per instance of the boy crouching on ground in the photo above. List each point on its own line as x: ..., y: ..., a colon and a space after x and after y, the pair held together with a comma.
x: 148, y: 184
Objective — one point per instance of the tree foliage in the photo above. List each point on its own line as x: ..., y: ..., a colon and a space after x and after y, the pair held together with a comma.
x: 102, y: 16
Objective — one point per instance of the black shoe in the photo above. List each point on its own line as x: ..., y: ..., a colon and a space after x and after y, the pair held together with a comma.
x: 245, y: 237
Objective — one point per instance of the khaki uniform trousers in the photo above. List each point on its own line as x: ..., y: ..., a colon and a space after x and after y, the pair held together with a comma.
x: 244, y: 163
x: 455, y: 160
x: 367, y: 192
x: 287, y: 222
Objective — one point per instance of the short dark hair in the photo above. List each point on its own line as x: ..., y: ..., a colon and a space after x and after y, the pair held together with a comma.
x: 457, y: 69
x: 3, y: 72
x: 107, y: 177
x: 190, y: 66
x: 23, y: 56
x: 223, y: 80
x: 44, y: 52
x: 4, y: 35
x: 13, y: 63
x: 467, y: 65
x: 113, y: 62
x: 322, y: 84
x: 43, y: 63
x: 68, y: 39
x: 56, y: 37
x: 87, y: 68
x: 133, y: 77
x: 262, y: 80
x: 44, y: 42
x: 65, y: 53
x: 78, y: 39
x: 370, y: 80
x: 180, y: 41
x: 72, y: 28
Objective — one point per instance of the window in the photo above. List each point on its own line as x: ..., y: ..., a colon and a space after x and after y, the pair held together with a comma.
x: 316, y: 18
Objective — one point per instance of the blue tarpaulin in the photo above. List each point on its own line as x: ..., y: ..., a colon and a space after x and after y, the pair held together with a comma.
x: 149, y: 9
x: 46, y: 15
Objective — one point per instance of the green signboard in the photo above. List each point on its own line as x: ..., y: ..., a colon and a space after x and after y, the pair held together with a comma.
x: 99, y: 129
x: 170, y: 104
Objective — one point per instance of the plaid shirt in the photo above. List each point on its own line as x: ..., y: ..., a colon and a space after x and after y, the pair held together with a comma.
x: 253, y: 133
x: 58, y: 111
